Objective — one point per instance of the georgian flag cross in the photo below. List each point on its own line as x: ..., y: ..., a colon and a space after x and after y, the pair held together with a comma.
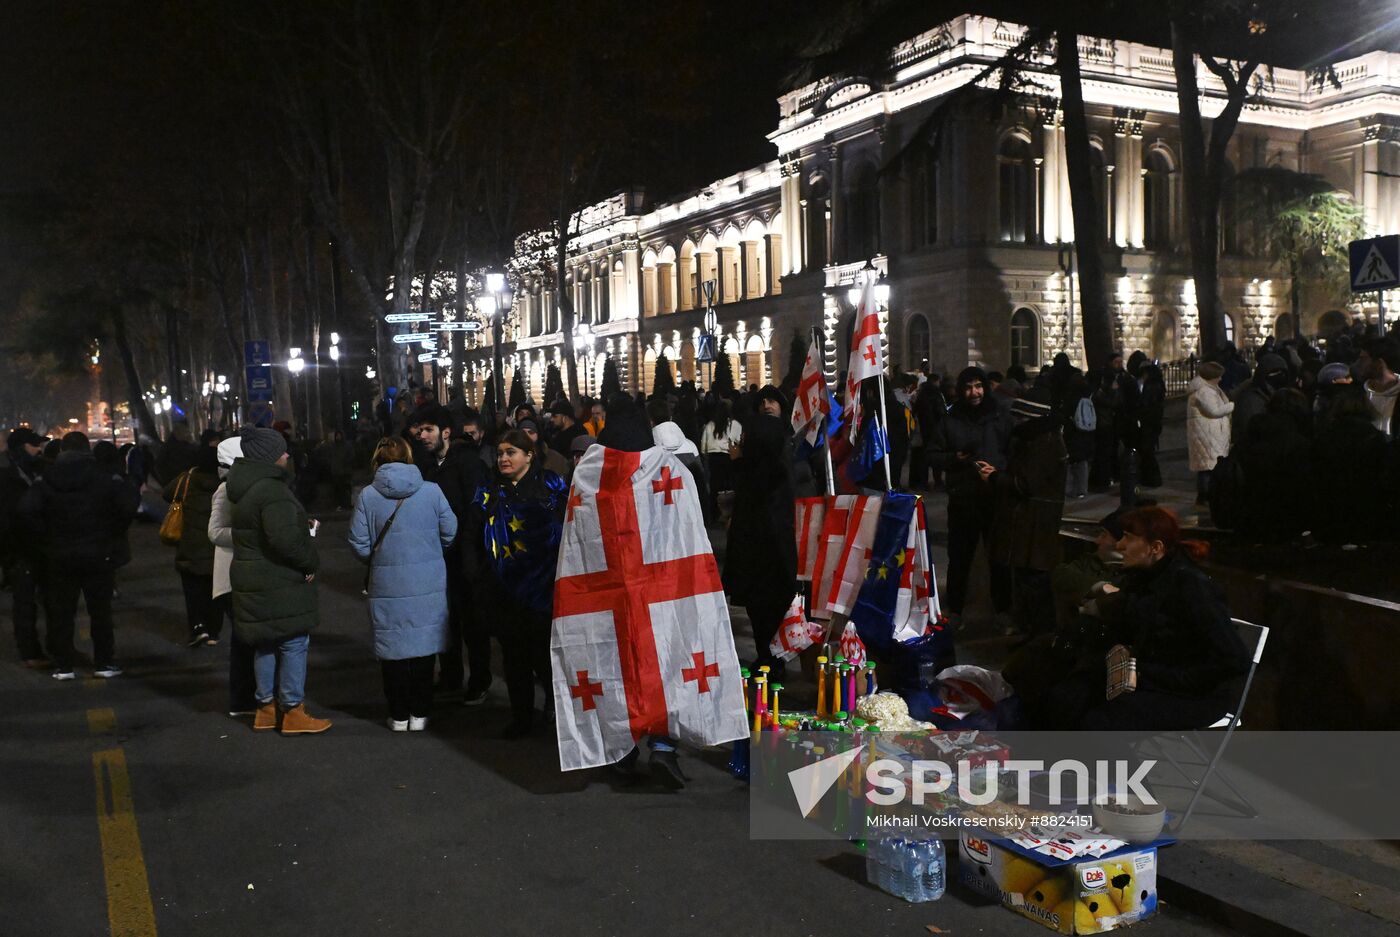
x: 641, y: 640
x: 811, y: 401
x: 867, y: 357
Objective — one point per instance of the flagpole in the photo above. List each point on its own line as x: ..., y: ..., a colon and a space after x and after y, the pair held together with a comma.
x: 826, y: 418
x: 885, y: 427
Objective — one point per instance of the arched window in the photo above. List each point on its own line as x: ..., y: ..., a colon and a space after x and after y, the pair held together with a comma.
x: 920, y: 347
x: 1229, y: 211
x: 687, y: 361
x: 536, y: 306
x: 862, y: 210
x: 1283, y: 326
x: 605, y: 282
x: 1098, y: 175
x: 648, y: 370
x: 731, y: 351
x: 685, y: 271
x: 1157, y: 184
x: 1231, y: 330
x: 1330, y: 323
x: 1166, y: 335
x: 754, y: 372
x: 1016, y: 189
x: 818, y: 217
x: 1025, y: 338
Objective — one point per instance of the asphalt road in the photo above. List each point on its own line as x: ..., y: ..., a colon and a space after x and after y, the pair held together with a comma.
x: 364, y: 832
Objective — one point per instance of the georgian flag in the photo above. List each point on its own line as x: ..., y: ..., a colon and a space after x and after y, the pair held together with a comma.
x: 867, y: 357
x: 641, y: 639
x: 812, y: 400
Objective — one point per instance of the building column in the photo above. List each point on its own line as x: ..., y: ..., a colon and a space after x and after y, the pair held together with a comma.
x: 1371, y: 179
x: 834, y: 219
x: 1048, y: 170
x: 790, y: 196
x: 773, y: 253
x: 632, y: 286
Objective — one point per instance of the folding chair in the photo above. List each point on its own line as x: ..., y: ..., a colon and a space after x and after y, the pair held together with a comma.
x: 1254, y: 636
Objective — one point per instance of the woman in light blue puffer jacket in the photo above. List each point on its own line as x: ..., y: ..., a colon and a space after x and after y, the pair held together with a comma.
x: 407, y: 577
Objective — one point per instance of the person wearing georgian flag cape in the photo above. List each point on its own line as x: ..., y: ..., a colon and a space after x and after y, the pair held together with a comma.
x: 641, y: 644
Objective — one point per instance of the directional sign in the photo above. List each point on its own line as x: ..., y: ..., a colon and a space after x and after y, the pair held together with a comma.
x: 408, y: 317
x: 1375, y: 263
x: 259, y: 382
x: 257, y: 352
x: 409, y: 338
x: 459, y: 326
x: 426, y: 356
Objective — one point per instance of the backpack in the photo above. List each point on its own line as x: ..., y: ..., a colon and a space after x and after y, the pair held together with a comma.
x: 1086, y: 419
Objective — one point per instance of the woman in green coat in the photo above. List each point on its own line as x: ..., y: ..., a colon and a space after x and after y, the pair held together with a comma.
x: 194, y: 554
x: 274, y: 581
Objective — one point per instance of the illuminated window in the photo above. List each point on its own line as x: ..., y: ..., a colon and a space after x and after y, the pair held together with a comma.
x: 1016, y: 190
x: 1025, y: 338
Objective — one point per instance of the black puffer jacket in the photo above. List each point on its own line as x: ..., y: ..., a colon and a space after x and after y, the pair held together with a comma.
x: 760, y: 564
x: 1174, y: 618
x: 80, y: 514
x: 984, y: 432
x: 1030, y: 497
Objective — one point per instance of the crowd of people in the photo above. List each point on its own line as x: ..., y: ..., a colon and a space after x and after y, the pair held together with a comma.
x: 458, y: 523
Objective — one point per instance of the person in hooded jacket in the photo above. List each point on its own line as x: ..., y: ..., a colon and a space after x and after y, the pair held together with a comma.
x: 1347, y: 446
x: 401, y: 528
x: 760, y: 562
x: 669, y: 436
x: 80, y: 514
x: 242, y: 686
x: 511, y: 547
x: 1208, y: 411
x: 19, y: 549
x: 274, y: 581
x: 1252, y: 396
x: 194, y: 554
x: 975, y: 432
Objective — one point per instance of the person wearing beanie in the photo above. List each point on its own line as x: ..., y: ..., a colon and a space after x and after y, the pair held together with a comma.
x: 1208, y: 412
x: 19, y: 552
x: 976, y: 432
x: 241, y: 684
x: 1251, y: 397
x: 273, y: 575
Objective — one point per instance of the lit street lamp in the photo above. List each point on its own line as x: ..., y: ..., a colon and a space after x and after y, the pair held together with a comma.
x: 495, y: 304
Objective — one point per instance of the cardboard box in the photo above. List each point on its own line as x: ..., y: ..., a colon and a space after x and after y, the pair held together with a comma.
x: 1079, y: 896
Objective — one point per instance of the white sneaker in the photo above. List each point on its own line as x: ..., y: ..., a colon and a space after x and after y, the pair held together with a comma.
x: 417, y: 723
x: 397, y: 726
x: 64, y: 675
x: 108, y: 672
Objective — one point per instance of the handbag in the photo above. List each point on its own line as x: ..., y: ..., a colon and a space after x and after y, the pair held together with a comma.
x: 1122, y: 671
x: 369, y: 564
x: 172, y: 528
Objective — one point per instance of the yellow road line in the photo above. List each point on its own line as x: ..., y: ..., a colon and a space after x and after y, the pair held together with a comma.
x: 129, y: 909
x: 101, y: 721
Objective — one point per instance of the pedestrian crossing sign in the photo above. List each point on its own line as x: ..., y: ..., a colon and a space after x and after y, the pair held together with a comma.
x: 1375, y: 263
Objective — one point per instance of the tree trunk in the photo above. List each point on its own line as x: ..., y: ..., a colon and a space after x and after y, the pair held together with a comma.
x: 1093, y: 300
x: 285, y: 407
x: 312, y: 288
x: 565, y: 298
x: 136, y: 401
x: 457, y: 340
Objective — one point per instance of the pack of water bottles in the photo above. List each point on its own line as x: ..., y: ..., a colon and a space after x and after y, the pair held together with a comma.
x: 911, y: 867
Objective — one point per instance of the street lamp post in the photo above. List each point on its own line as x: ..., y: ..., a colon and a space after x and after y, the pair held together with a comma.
x: 296, y: 364
x: 497, y: 301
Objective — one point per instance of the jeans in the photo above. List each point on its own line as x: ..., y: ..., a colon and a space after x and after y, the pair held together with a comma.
x: 24, y: 587
x: 1077, y: 480
x: 61, y: 591
x: 408, y: 686
x: 202, y: 611
x: 279, y: 668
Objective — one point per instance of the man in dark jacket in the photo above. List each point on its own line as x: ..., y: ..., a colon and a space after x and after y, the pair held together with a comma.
x: 455, y: 466
x: 19, y: 551
x: 1253, y: 395
x: 565, y: 427
x: 976, y: 432
x: 80, y: 513
x: 273, y: 575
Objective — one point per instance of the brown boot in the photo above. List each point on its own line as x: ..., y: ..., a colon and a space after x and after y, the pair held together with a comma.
x: 265, y: 717
x: 297, y: 721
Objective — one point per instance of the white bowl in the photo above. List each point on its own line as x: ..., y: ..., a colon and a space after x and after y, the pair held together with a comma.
x: 1133, y: 820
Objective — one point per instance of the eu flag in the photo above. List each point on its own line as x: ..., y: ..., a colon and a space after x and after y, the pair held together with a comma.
x: 874, y: 610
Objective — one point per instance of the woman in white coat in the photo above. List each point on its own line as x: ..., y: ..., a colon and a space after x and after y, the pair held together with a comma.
x: 241, y: 686
x: 1207, y: 424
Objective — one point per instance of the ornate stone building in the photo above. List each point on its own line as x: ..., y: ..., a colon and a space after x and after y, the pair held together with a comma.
x: 971, y: 235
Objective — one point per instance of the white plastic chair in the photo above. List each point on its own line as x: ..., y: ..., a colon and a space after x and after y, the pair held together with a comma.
x: 1251, y: 635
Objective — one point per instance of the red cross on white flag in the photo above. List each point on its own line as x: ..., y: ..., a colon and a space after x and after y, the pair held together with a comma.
x: 867, y: 356
x: 811, y: 401
x: 641, y: 627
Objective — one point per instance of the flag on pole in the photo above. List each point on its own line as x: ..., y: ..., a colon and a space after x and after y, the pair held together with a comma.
x: 867, y: 356
x: 811, y: 403
x: 641, y: 640
x: 811, y: 513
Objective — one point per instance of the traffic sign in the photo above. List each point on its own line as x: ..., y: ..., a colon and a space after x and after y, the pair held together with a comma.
x: 257, y: 352
x: 706, y: 354
x: 408, y: 317
x: 1375, y: 263
x: 466, y: 326
x: 409, y: 338
x: 259, y: 382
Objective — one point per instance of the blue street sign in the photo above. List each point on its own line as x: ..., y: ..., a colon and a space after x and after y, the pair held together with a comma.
x: 707, y: 349
x: 259, y: 383
x: 1375, y: 263
x: 257, y: 352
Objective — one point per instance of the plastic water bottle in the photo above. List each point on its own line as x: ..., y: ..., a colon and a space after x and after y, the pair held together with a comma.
x: 914, y: 863
x: 935, y: 880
